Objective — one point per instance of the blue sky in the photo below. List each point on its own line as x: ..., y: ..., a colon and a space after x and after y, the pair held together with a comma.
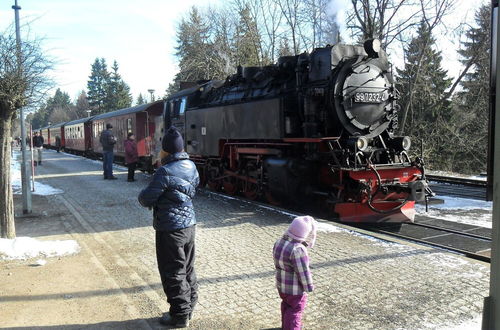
x: 140, y: 35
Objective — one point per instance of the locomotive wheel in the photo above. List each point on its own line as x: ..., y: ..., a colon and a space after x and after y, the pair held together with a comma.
x: 203, y: 179
x: 214, y: 185
x: 271, y: 199
x: 251, y: 190
x: 230, y: 185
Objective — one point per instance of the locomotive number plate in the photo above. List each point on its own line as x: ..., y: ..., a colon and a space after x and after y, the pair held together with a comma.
x: 368, y: 97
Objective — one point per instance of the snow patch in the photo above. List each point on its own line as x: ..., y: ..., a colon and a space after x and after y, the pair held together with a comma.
x: 457, y: 203
x: 27, y: 247
x: 462, y: 210
x: 16, y: 182
x: 328, y: 228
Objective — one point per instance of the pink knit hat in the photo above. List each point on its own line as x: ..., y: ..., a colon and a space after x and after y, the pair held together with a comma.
x: 301, y: 228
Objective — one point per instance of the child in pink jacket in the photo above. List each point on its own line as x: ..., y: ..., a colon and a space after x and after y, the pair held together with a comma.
x: 293, y: 277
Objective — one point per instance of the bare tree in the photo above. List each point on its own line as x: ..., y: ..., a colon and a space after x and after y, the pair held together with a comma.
x: 290, y: 9
x: 23, y: 79
x: 382, y: 19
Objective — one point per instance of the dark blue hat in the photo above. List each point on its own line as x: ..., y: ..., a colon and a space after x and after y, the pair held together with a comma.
x: 172, y: 141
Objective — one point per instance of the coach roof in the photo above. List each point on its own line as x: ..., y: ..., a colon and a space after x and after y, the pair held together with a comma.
x: 78, y: 121
x: 56, y: 125
x: 121, y: 112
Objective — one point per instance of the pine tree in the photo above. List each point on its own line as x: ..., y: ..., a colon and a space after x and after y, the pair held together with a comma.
x: 117, y: 91
x: 57, y: 108
x: 97, y: 85
x: 82, y: 105
x: 199, y: 57
x: 60, y: 108
x: 140, y: 100
x: 422, y: 84
x: 471, y: 104
x: 246, y: 41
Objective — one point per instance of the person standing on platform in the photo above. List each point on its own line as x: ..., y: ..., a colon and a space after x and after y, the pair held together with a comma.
x: 170, y: 194
x: 38, y: 148
x: 58, y: 143
x: 293, y: 277
x: 131, y: 156
x: 108, y: 142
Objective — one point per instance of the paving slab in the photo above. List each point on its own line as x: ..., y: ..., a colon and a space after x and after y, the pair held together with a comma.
x: 361, y: 282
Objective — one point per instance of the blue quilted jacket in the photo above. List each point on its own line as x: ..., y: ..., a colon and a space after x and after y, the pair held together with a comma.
x: 170, y: 193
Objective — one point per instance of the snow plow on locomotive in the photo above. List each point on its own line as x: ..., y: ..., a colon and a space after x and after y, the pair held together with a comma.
x: 315, y: 127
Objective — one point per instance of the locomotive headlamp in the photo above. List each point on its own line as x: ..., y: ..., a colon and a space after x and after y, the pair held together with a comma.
x: 401, y: 143
x: 372, y: 47
x: 360, y: 143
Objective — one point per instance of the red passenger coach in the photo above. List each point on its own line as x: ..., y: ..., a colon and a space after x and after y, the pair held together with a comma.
x: 56, y: 132
x: 139, y: 120
x: 77, y: 136
x: 44, y: 131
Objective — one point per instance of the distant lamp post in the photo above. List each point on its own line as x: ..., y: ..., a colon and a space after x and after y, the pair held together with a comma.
x: 151, y: 91
x: 88, y: 112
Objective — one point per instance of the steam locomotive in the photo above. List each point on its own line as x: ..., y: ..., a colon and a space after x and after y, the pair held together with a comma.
x: 314, y: 128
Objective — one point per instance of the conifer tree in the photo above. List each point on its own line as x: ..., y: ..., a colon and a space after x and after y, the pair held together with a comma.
x: 140, y: 100
x: 97, y: 86
x: 422, y: 84
x: 199, y: 58
x: 82, y: 105
x: 246, y: 40
x: 117, y: 91
x: 471, y: 104
x: 60, y: 102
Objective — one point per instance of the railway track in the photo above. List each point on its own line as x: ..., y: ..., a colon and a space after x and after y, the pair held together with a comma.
x: 471, y: 241
x: 457, y: 187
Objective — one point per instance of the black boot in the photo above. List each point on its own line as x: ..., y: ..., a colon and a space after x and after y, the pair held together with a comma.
x: 181, y: 321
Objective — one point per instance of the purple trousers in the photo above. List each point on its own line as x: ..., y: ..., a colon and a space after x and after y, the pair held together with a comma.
x: 292, y: 307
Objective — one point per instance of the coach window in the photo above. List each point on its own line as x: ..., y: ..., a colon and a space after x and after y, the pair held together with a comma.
x: 129, y: 125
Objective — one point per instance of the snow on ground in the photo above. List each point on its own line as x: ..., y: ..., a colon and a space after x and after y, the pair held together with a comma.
x: 27, y: 247
x: 15, y: 175
x: 456, y: 209
x: 457, y: 175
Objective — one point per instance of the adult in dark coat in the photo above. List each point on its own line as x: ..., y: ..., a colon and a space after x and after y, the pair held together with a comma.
x: 170, y: 194
x: 131, y: 156
x: 108, y: 142
x: 58, y: 143
x: 38, y: 148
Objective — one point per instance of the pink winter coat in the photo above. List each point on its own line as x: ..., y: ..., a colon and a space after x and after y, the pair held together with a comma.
x: 130, y: 151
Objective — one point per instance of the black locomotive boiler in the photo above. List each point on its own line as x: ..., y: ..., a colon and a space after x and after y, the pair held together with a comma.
x: 313, y: 128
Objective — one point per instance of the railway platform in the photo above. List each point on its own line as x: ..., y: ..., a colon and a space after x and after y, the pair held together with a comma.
x: 362, y: 281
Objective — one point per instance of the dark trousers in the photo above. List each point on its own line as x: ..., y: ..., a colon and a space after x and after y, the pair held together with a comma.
x: 131, y: 170
x: 175, y: 253
x: 107, y: 163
